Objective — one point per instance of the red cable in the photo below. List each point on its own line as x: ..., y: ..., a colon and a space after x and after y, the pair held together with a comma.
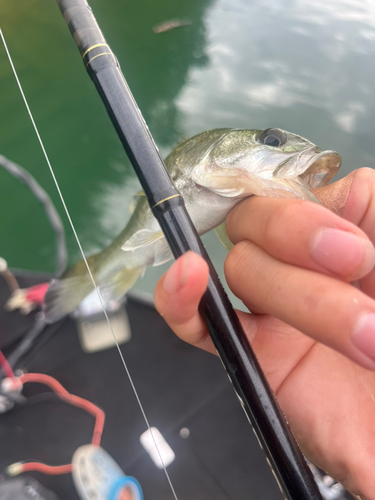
x: 7, y: 369
x: 73, y: 400
x: 53, y: 470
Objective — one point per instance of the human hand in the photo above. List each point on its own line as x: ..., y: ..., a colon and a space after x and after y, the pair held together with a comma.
x: 307, y: 276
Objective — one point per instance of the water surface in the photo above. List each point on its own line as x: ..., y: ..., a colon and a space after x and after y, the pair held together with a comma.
x: 307, y: 66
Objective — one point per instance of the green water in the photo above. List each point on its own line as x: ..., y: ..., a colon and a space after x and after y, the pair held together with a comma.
x: 307, y: 66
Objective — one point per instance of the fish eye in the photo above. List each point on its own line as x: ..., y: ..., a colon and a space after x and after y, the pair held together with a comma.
x: 273, y: 137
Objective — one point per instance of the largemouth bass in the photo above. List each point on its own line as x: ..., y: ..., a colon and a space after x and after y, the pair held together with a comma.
x: 213, y: 171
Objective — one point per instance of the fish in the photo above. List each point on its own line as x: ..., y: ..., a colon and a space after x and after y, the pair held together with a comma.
x: 213, y: 171
x: 170, y: 25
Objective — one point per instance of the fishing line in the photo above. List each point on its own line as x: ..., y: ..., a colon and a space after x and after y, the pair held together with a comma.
x: 86, y: 263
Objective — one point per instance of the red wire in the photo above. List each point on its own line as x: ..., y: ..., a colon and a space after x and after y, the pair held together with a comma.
x: 73, y: 400
x: 7, y: 369
x: 53, y: 470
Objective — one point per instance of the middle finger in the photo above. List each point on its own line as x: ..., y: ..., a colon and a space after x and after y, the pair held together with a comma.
x: 324, y: 308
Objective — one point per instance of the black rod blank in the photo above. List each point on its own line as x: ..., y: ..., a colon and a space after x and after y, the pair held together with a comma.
x: 283, y: 454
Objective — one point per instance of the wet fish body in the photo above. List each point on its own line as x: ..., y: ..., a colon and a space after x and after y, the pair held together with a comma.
x: 213, y: 171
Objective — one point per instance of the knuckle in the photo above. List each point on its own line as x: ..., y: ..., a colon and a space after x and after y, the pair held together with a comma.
x: 239, y: 216
x: 237, y: 259
x: 314, y: 299
x: 288, y: 213
x: 274, y: 289
x: 292, y: 209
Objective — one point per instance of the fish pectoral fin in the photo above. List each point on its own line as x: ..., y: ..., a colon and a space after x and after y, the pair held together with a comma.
x: 141, y: 239
x: 117, y: 283
x: 221, y: 233
x: 146, y: 237
x: 162, y: 253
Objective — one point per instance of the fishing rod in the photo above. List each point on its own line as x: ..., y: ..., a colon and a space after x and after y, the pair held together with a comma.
x: 257, y: 399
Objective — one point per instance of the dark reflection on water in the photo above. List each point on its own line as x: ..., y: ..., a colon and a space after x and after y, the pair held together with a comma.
x: 307, y: 66
x: 157, y: 66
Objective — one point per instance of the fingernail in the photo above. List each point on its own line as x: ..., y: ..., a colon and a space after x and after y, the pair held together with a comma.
x: 363, y: 337
x: 343, y: 253
x: 178, y: 274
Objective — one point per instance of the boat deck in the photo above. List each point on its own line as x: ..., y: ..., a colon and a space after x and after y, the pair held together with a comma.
x: 179, y: 386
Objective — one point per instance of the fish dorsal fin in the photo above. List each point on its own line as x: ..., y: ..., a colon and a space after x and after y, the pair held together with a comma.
x: 141, y: 239
x: 135, y: 200
x: 221, y: 233
x: 162, y: 253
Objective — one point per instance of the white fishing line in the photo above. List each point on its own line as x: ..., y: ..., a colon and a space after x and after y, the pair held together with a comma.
x: 86, y: 263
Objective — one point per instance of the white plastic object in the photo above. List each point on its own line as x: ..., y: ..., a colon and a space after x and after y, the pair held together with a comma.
x: 94, y: 334
x: 157, y: 447
x: 97, y: 476
x: 12, y: 387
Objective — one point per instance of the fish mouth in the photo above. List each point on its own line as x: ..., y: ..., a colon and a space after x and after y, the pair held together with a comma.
x: 321, y: 168
x: 313, y: 166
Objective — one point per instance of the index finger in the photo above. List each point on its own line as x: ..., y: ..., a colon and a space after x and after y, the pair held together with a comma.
x: 303, y: 234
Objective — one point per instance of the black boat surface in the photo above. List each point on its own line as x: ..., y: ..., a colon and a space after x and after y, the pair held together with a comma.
x: 184, y: 391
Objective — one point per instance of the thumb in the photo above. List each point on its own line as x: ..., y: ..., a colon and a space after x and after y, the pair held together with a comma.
x: 177, y: 297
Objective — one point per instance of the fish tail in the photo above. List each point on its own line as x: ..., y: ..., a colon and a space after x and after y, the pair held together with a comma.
x: 64, y: 295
